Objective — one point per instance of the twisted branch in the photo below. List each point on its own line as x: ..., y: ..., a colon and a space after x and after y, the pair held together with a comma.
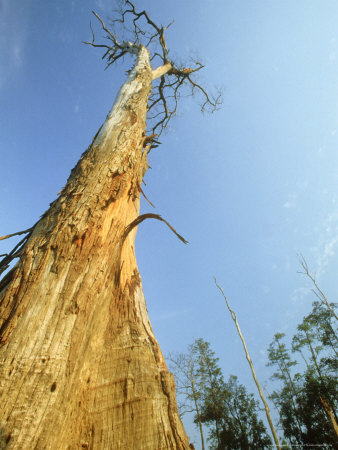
x: 143, y: 217
x: 163, y: 101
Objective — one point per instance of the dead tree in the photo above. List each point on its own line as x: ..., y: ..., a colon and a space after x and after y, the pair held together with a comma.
x: 247, y: 355
x: 80, y: 366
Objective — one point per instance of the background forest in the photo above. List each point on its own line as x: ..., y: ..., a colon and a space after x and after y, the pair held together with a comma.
x: 304, y: 395
x: 250, y: 187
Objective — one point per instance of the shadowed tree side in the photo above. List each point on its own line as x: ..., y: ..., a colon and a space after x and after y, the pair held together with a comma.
x: 78, y: 354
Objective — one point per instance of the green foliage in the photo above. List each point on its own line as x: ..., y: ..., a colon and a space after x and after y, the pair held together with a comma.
x: 229, y: 412
x: 210, y: 381
x: 302, y: 415
x: 238, y: 424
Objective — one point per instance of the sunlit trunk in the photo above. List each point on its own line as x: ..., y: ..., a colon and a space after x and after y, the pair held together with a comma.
x: 80, y: 366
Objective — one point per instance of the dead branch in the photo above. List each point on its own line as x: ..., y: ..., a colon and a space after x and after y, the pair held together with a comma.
x: 144, y: 195
x: 169, y: 78
x: 143, y: 217
x: 15, y: 253
x: 7, y: 258
x: 15, y: 234
x: 317, y: 291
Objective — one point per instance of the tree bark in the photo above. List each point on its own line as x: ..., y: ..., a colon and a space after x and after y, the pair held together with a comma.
x: 80, y: 366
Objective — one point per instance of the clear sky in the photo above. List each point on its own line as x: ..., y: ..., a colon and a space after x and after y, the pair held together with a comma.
x: 249, y: 187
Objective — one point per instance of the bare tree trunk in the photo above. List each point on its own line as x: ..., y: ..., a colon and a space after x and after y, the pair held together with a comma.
x: 266, y: 406
x: 80, y: 366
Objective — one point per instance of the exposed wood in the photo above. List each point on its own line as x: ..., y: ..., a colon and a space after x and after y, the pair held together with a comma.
x: 162, y: 70
x: 79, y: 364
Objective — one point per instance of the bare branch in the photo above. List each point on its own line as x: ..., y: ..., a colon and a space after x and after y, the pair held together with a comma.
x: 7, y: 258
x: 317, y: 291
x: 110, y: 35
x: 144, y: 195
x: 15, y: 234
x: 165, y: 96
x: 115, y: 50
x: 15, y: 253
x: 158, y: 31
x: 143, y: 217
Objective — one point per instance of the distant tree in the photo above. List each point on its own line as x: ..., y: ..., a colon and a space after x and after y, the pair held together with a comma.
x: 307, y: 401
x: 316, y: 289
x: 230, y: 413
x: 188, y: 386
x: 80, y: 365
x: 317, y: 395
x: 315, y: 401
x: 305, y: 339
x: 279, y: 357
x: 323, y: 323
x: 239, y: 425
x: 210, y: 379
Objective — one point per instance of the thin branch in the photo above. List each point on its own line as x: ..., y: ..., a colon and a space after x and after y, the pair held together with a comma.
x: 144, y: 31
x: 144, y: 195
x: 115, y: 51
x: 159, y: 31
x: 15, y: 234
x: 320, y: 294
x: 143, y: 217
x: 15, y: 253
x: 112, y: 36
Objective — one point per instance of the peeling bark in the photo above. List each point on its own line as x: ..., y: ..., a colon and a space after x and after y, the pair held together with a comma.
x: 80, y: 366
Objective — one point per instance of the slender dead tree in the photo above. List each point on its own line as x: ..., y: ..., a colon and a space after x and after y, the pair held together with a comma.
x: 80, y: 366
x: 266, y: 406
x: 317, y: 291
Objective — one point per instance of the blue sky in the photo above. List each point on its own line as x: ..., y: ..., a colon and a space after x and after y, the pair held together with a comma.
x: 249, y: 186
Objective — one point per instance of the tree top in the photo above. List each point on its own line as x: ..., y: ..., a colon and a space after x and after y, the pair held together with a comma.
x: 169, y: 78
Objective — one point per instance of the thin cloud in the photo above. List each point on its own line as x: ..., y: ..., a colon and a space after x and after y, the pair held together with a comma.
x: 326, y: 247
x: 287, y: 205
x: 12, y: 38
x: 17, y: 55
x: 101, y: 4
x: 291, y: 202
x: 299, y: 294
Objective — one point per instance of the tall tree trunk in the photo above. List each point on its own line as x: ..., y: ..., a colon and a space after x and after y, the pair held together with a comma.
x: 266, y: 406
x: 80, y: 366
